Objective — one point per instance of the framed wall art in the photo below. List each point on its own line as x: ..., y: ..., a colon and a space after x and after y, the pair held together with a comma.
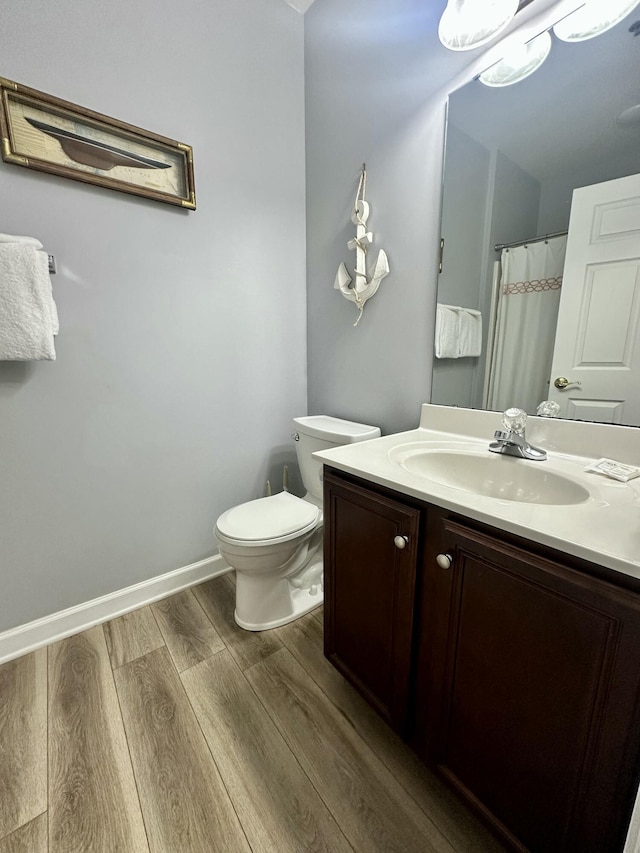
x: 45, y: 133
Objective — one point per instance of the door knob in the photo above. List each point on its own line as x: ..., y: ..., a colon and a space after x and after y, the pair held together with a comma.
x: 401, y: 542
x: 562, y: 382
x: 445, y: 561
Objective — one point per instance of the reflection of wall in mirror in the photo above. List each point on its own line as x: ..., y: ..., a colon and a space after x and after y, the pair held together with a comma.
x: 487, y: 198
x: 463, y: 212
x: 556, y: 192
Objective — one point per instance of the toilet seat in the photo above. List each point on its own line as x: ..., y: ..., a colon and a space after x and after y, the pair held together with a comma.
x: 267, y: 520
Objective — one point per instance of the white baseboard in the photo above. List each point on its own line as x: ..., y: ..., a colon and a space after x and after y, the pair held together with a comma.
x: 41, y: 632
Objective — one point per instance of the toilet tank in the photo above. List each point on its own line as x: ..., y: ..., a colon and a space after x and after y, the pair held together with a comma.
x: 321, y: 432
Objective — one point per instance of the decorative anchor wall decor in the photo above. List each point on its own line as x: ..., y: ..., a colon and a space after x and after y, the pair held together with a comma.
x: 365, y: 284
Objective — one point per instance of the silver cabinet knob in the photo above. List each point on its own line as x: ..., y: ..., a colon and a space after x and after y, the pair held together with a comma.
x: 401, y: 542
x: 445, y: 561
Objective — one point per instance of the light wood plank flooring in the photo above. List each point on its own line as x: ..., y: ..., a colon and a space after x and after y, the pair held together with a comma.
x: 171, y: 730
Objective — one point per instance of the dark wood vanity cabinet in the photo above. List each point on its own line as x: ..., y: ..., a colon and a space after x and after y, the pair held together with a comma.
x: 518, y: 668
x: 370, y: 579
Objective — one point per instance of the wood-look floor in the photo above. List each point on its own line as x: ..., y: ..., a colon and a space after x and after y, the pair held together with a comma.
x: 171, y: 730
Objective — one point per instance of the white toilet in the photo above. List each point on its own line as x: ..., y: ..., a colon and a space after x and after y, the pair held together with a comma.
x: 275, y: 543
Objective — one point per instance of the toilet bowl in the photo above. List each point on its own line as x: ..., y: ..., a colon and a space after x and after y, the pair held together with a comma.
x: 275, y: 543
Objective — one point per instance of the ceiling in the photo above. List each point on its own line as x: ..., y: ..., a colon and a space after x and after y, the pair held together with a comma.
x: 580, y: 90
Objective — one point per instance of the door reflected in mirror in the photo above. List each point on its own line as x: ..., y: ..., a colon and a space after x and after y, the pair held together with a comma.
x: 559, y: 308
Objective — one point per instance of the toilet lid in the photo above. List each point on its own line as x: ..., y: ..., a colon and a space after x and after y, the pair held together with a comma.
x: 268, y: 518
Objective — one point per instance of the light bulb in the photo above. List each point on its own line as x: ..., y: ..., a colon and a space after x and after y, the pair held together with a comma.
x: 466, y: 24
x: 592, y: 19
x: 519, y: 62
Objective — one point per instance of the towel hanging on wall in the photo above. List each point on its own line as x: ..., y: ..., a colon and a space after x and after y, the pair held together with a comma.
x: 446, y: 336
x: 458, y: 332
x: 28, y: 315
x: 470, y: 340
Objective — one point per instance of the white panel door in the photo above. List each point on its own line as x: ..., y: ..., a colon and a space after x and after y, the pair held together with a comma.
x: 597, y: 345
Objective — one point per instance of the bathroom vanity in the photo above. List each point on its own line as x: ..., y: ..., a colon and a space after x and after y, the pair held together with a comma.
x: 495, y: 623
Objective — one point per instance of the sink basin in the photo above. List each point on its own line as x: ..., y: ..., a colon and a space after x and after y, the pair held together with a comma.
x: 482, y: 473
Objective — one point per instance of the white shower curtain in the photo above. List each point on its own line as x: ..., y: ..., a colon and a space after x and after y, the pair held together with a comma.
x: 527, y: 314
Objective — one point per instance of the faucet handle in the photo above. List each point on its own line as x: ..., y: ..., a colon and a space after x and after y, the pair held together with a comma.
x: 548, y: 409
x: 514, y: 420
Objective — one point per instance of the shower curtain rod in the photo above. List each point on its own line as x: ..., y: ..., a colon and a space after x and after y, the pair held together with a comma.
x: 500, y: 246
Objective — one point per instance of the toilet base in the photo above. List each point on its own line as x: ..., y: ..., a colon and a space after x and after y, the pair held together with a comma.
x: 284, y: 603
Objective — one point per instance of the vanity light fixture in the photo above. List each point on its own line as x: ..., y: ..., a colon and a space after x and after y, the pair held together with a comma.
x: 466, y: 24
x: 519, y: 62
x: 593, y: 18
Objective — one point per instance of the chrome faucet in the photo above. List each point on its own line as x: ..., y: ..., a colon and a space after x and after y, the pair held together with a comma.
x: 511, y: 441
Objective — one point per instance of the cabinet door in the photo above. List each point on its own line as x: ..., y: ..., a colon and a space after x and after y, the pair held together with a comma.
x: 539, y: 721
x: 369, y: 592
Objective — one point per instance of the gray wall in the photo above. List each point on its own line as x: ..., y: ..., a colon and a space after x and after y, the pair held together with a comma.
x: 464, y: 220
x: 375, y: 89
x: 370, y: 84
x: 181, y: 355
x: 487, y: 199
x: 516, y: 201
x: 513, y: 216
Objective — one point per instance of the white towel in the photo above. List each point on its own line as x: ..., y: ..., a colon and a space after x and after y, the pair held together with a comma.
x: 28, y: 241
x: 446, y: 337
x: 458, y: 332
x: 470, y: 333
x: 28, y: 316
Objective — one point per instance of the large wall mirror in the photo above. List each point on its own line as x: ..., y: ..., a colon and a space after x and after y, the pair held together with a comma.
x: 524, y: 164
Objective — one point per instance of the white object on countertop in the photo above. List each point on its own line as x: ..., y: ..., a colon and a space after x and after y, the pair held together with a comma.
x: 615, y: 470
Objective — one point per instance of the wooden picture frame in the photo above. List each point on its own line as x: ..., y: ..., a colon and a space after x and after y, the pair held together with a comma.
x: 46, y: 133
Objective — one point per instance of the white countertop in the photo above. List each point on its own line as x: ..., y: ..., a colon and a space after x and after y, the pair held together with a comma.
x: 605, y: 529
